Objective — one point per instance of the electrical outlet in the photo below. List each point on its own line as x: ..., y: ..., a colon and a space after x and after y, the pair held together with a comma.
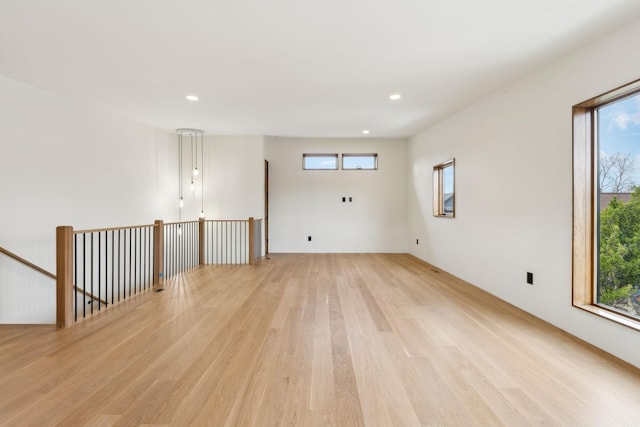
x: 529, y: 278
x: 309, y: 238
x: 417, y: 242
x: 351, y: 199
x: 344, y: 199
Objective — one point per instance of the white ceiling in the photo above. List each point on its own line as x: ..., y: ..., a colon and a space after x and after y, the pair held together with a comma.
x: 291, y: 67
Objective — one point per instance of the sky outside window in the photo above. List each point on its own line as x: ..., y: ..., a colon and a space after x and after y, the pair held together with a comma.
x: 321, y: 162
x: 359, y: 162
x: 619, y: 135
x: 447, y: 178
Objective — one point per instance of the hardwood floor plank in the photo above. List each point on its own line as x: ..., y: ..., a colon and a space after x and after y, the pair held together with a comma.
x: 247, y: 404
x: 431, y: 397
x: 312, y: 340
x: 383, y: 398
x: 348, y: 406
x: 296, y: 410
x: 322, y: 382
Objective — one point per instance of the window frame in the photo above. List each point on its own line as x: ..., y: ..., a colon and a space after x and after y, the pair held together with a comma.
x: 438, y: 190
x: 585, y: 188
x: 375, y: 161
x: 332, y: 155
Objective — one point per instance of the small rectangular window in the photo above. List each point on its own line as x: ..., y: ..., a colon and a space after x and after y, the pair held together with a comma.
x: 443, y: 189
x: 359, y: 161
x: 320, y: 161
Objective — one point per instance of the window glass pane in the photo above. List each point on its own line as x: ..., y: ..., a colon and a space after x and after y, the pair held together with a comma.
x: 443, y: 189
x: 618, y: 198
x: 447, y: 187
x: 320, y: 161
x: 359, y: 161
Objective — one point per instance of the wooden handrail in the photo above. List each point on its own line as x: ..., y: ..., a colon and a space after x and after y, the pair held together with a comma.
x: 98, y: 230
x: 211, y: 220
x: 229, y: 220
x: 27, y: 263
x: 183, y: 222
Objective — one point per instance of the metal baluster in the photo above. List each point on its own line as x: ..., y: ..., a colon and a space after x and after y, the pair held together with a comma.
x: 99, y: 268
x: 75, y: 277
x: 84, y: 274
x: 146, y: 257
x: 137, y: 260
x: 243, y: 242
x: 119, y: 263
x: 113, y: 263
x: 92, y: 293
x: 129, y: 262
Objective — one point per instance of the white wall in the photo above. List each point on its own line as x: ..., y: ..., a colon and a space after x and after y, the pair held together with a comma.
x: 235, y: 177
x: 64, y: 164
x: 513, y: 154
x: 309, y: 203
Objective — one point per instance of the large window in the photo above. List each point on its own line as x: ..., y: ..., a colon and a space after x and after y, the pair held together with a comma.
x: 443, y: 189
x: 606, y: 258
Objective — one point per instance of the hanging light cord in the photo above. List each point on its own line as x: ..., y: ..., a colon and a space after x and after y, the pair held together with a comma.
x: 202, y: 172
x: 180, y: 177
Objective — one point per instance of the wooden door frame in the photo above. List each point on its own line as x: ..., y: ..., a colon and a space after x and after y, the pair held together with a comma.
x: 266, y: 207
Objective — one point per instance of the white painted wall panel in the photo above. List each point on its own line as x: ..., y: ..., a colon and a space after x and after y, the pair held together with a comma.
x: 513, y: 154
x: 62, y: 163
x: 309, y: 202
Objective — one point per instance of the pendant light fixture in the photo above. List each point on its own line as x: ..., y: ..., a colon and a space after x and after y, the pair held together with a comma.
x: 194, y: 135
x: 180, y: 198
x: 195, y: 170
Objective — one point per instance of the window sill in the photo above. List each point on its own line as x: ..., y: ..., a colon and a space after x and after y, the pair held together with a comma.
x: 618, y: 318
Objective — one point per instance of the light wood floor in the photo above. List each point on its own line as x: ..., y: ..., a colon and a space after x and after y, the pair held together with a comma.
x: 311, y: 340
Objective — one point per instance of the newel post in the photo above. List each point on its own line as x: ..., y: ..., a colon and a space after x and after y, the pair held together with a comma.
x: 158, y: 251
x: 64, y: 276
x: 201, y: 225
x: 252, y: 255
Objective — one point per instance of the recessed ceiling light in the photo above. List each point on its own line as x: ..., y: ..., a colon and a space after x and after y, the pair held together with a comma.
x: 366, y: 131
x: 192, y: 98
x: 395, y: 96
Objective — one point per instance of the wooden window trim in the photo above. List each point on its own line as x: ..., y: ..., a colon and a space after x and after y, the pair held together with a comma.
x: 584, y: 206
x: 438, y: 190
